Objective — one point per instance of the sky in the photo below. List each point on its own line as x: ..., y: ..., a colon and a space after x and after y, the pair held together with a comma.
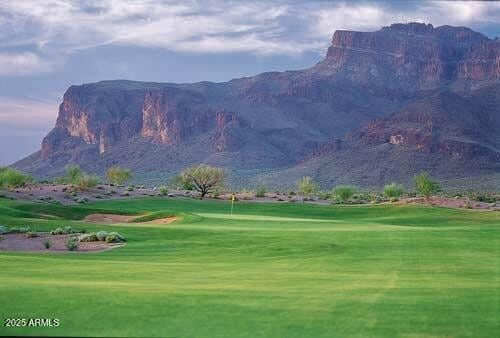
x: 48, y: 45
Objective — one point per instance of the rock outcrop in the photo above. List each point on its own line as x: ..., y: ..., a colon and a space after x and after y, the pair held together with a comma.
x: 413, y: 88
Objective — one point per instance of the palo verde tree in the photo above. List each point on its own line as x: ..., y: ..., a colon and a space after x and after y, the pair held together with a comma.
x: 306, y: 186
x: 117, y: 175
x: 424, y: 185
x: 202, y: 178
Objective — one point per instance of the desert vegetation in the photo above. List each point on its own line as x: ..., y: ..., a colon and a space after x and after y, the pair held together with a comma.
x: 117, y: 175
x: 12, y: 178
x: 202, y: 178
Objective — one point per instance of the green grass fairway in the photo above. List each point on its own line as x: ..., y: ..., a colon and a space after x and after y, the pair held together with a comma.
x: 270, y: 270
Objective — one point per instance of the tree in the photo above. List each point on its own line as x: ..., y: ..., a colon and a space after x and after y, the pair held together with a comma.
x: 202, y: 178
x: 344, y: 192
x: 394, y: 190
x: 117, y: 175
x: 73, y: 174
x: 306, y: 186
x: 86, y: 182
x: 11, y: 178
x: 424, y: 185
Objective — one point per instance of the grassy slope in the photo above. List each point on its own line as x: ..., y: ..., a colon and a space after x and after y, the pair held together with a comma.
x: 380, y: 271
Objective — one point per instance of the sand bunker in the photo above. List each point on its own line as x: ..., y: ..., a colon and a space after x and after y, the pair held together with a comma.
x: 120, y: 219
x: 19, y: 242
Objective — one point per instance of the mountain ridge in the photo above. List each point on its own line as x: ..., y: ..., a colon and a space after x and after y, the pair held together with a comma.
x: 277, y: 121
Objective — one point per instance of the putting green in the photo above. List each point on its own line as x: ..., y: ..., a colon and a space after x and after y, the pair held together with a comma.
x: 269, y: 270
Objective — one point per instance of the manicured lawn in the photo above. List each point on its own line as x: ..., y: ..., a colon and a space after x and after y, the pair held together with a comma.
x: 270, y: 270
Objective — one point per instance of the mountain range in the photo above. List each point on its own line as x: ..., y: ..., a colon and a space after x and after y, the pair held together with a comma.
x: 380, y: 107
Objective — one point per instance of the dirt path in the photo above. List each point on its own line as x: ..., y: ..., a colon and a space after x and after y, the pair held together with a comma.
x: 121, y: 219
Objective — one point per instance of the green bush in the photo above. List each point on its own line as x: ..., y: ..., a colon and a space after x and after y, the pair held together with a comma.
x: 344, y: 192
x: 424, y: 185
x: 62, y: 231
x: 20, y: 230
x: 3, y: 229
x: 72, y: 243
x: 92, y: 237
x: 163, y: 191
x: 101, y: 235
x: 306, y: 186
x: 12, y: 178
x: 117, y: 175
x: 393, y: 190
x: 114, y: 237
x: 47, y: 244
x: 31, y: 234
x: 86, y: 182
x: 261, y: 191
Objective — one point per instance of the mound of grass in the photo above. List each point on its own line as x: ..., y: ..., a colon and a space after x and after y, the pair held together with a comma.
x: 153, y: 216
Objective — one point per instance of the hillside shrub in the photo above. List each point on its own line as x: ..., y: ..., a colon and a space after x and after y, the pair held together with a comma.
x: 261, y: 191
x: 306, y: 186
x: 72, y: 243
x: 114, y: 237
x: 12, y: 178
x: 424, y: 185
x: 47, y: 244
x: 20, y: 230
x: 91, y: 237
x: 344, y: 193
x: 117, y: 175
x: 394, y: 190
x: 101, y: 235
x: 86, y: 182
x: 62, y: 231
x: 31, y: 234
x: 163, y: 191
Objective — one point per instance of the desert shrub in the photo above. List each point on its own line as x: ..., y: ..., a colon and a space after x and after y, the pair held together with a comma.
x: 202, y: 178
x: 130, y: 188
x: 424, y: 185
x: 62, y: 231
x: 72, y: 243
x: 261, y: 191
x: 117, y: 175
x: 81, y: 200
x: 114, y: 237
x: 12, y: 178
x: 393, y: 190
x: 20, y: 230
x: 31, y: 234
x: 163, y: 191
x: 92, y: 237
x: 482, y: 197
x: 324, y: 195
x: 47, y: 244
x: 344, y: 192
x: 73, y: 174
x: 86, y: 182
x: 101, y: 235
x: 306, y: 186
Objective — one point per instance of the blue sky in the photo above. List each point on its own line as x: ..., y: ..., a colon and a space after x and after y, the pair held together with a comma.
x: 47, y: 45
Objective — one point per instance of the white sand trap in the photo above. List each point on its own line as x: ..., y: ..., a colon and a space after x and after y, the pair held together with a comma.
x: 121, y: 219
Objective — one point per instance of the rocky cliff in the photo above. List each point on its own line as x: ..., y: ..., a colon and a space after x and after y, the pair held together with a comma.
x: 433, y: 92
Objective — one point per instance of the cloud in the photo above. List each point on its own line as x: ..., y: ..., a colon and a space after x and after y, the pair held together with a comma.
x: 27, y: 113
x: 53, y: 29
x: 22, y: 64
